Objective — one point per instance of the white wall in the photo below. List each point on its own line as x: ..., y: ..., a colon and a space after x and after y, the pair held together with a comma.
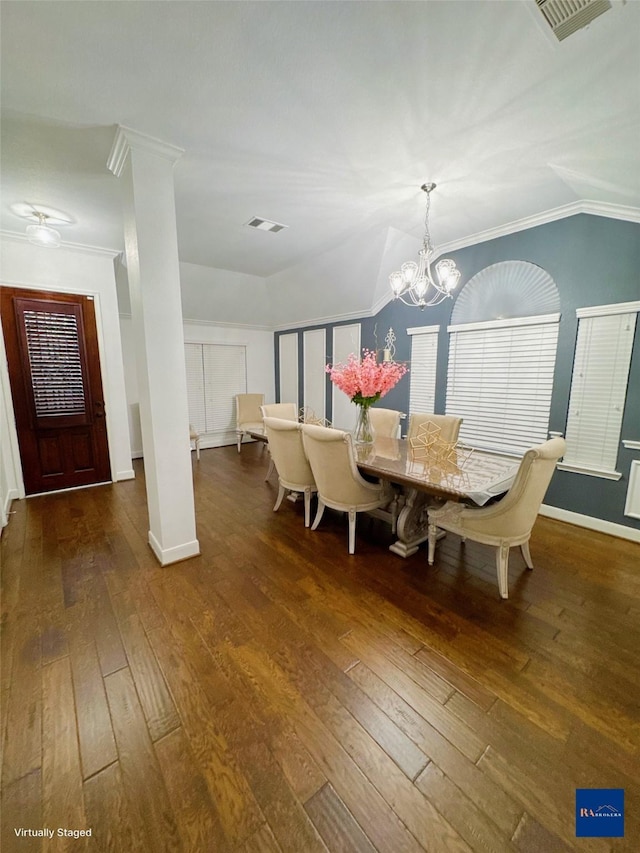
x: 71, y: 270
x: 260, y: 364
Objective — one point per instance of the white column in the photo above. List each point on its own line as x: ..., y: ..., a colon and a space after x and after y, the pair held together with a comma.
x: 145, y: 166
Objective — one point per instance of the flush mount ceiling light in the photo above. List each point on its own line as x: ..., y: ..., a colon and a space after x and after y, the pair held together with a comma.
x: 41, y: 233
x: 414, y: 283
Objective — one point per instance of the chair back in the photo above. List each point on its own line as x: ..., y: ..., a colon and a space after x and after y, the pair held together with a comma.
x: 248, y: 408
x: 284, y: 411
x: 385, y: 422
x: 287, y: 452
x: 330, y: 455
x: 449, y: 425
x: 515, y: 514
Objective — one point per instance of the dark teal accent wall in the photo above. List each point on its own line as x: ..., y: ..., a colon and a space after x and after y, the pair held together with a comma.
x: 594, y: 261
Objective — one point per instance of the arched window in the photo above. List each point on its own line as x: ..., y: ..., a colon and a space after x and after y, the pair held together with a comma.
x: 502, y: 352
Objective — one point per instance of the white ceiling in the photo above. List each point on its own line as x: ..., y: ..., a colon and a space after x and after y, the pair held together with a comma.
x: 325, y: 116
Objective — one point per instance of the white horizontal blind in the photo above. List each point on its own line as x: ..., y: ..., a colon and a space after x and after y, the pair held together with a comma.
x: 195, y: 387
x: 598, y: 391
x: 500, y: 379
x: 315, y: 378
x: 288, y: 351
x: 422, y: 376
x: 215, y: 374
x: 225, y: 375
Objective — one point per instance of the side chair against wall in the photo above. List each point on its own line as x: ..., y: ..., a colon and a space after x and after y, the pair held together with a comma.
x: 287, y: 453
x: 194, y: 436
x: 509, y: 521
x: 449, y: 425
x: 248, y: 414
x: 340, y: 485
x: 385, y: 422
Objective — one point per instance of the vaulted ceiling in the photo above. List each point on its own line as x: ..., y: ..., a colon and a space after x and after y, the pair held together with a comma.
x: 324, y: 116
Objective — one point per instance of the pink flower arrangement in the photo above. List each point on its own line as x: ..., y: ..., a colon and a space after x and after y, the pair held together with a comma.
x: 364, y: 380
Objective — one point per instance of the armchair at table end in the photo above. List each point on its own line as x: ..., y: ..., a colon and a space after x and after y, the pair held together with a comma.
x: 285, y: 411
x: 449, y: 425
x: 289, y: 458
x: 248, y: 414
x: 340, y: 485
x: 509, y: 521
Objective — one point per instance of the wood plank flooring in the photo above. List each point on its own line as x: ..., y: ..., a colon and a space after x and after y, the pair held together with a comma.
x: 277, y: 694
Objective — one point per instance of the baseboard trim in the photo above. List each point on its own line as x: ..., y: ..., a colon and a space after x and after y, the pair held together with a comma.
x: 598, y: 524
x: 128, y: 474
x: 166, y: 556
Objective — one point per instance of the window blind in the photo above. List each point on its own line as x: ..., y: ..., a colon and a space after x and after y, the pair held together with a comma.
x: 500, y: 379
x: 422, y: 376
x: 53, y: 345
x: 215, y: 374
x: 598, y: 391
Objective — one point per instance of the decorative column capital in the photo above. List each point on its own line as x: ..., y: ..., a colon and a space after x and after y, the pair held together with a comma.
x: 127, y: 139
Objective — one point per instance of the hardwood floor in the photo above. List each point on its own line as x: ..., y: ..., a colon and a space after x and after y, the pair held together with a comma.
x: 276, y: 694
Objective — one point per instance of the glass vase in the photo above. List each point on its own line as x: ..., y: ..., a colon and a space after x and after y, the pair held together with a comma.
x: 363, y: 433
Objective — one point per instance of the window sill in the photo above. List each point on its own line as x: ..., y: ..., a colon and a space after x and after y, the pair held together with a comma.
x: 590, y: 472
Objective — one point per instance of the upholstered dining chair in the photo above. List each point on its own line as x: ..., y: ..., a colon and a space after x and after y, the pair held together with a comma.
x: 287, y: 411
x: 385, y: 422
x: 289, y: 458
x: 509, y: 521
x: 248, y: 414
x: 340, y: 485
x: 449, y: 425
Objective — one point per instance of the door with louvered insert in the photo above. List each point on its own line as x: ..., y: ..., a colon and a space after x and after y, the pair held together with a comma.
x: 54, y: 371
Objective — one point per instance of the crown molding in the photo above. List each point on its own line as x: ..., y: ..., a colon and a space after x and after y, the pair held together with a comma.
x: 249, y: 326
x: 127, y: 139
x: 593, y: 208
x: 323, y: 321
x: 74, y: 247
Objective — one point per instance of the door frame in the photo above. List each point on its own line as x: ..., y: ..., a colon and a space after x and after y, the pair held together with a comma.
x: 117, y: 423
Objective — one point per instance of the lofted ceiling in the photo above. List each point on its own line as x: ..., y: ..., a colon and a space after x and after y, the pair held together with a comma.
x: 324, y: 116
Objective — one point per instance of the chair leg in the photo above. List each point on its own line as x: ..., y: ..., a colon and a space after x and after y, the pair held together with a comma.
x: 307, y: 507
x: 281, y: 493
x: 526, y: 553
x: 238, y: 440
x: 352, y: 531
x: 319, y: 513
x: 197, y: 449
x: 502, y: 565
x: 271, y: 469
x: 433, y: 535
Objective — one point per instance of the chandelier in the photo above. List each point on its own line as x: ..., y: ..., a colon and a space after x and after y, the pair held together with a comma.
x: 414, y: 283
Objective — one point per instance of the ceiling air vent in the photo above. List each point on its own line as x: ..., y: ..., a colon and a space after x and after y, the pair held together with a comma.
x: 265, y: 225
x: 567, y: 16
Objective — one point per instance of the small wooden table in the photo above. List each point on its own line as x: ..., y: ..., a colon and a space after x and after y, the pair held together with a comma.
x: 479, y: 477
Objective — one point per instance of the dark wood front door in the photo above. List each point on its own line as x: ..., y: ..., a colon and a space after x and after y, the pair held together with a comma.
x: 54, y: 371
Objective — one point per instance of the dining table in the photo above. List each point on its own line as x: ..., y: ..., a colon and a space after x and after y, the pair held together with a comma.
x: 423, y: 477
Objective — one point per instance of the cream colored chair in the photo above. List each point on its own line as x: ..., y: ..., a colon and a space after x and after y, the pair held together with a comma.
x: 286, y: 411
x: 340, y: 485
x: 248, y: 414
x: 288, y: 456
x: 449, y: 425
x: 385, y: 422
x: 509, y: 521
x: 194, y: 436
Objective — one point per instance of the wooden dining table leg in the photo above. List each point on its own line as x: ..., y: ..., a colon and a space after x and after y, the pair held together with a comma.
x: 412, y: 528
